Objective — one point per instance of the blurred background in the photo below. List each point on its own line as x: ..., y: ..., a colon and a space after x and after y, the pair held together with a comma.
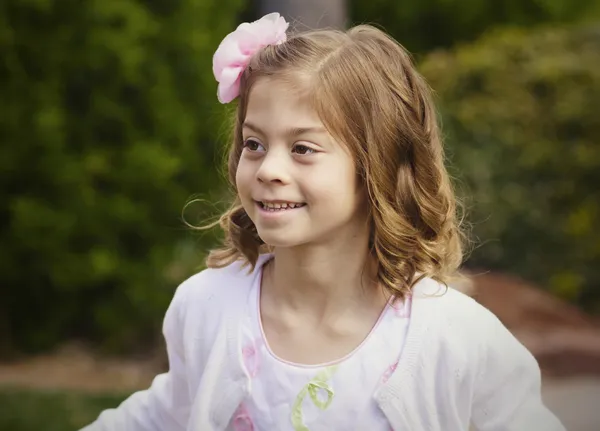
x: 109, y: 124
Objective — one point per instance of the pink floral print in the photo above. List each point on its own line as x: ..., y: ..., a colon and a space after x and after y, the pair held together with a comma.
x: 242, y: 420
x: 402, y: 308
x: 251, y: 357
x: 388, y: 373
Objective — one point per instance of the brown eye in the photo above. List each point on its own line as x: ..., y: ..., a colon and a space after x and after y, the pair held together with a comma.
x: 303, y: 150
x: 253, y: 145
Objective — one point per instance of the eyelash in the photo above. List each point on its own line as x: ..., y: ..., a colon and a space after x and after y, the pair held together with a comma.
x: 247, y: 142
x: 310, y: 150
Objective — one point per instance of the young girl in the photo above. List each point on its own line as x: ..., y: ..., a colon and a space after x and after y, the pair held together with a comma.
x: 327, y: 307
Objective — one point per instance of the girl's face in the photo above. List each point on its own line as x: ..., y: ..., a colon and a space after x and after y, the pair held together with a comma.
x: 297, y: 184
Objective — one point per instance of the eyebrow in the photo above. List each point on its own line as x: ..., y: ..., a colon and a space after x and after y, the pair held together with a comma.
x: 294, y: 131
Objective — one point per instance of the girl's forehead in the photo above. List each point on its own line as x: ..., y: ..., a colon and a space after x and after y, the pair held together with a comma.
x: 287, y: 87
x: 273, y: 99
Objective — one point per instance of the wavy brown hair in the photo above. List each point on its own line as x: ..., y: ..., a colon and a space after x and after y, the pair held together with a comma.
x: 368, y: 94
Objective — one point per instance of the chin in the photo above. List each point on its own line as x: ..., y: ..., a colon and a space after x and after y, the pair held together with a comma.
x: 280, y: 240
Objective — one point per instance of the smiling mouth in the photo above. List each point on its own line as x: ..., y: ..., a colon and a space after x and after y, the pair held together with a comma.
x: 279, y: 206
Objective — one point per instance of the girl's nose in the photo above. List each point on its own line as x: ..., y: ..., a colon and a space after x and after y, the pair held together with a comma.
x: 274, y: 168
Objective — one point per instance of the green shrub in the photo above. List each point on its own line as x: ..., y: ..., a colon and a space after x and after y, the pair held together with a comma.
x: 423, y: 25
x: 521, y: 114
x: 107, y: 121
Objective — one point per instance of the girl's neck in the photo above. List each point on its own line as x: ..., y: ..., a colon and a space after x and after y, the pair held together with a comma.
x: 320, y: 282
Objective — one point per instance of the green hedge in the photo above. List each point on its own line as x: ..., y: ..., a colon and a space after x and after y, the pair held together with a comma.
x: 423, y: 25
x: 521, y: 114
x: 107, y: 121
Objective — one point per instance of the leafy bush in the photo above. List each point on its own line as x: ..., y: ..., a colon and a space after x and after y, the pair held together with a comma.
x: 521, y: 114
x: 107, y: 119
x: 423, y: 25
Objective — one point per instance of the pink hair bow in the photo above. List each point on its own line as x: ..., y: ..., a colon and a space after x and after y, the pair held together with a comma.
x: 236, y: 50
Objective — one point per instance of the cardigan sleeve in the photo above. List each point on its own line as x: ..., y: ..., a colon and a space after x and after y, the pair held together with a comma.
x: 166, y: 404
x: 508, y: 385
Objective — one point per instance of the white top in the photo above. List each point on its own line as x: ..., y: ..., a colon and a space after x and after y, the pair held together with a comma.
x: 459, y: 365
x: 285, y: 396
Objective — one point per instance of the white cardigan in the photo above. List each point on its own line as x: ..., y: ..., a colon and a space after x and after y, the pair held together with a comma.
x: 459, y: 367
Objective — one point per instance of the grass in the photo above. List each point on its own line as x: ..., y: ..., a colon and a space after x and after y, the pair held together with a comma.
x: 29, y: 410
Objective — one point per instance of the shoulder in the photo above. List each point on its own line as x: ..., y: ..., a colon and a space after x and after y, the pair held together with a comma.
x: 456, y: 320
x: 203, y: 300
x: 205, y: 295
x: 447, y: 306
x: 463, y: 329
x: 215, y: 286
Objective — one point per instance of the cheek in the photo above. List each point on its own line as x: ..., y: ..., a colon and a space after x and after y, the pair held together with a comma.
x: 238, y: 179
x: 242, y: 176
x: 244, y: 191
x: 335, y: 185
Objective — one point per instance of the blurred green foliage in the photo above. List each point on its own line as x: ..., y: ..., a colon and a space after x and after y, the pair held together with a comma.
x: 423, y: 25
x: 107, y: 121
x: 521, y: 114
x: 24, y: 410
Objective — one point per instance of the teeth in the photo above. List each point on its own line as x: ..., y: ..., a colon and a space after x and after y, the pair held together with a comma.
x: 279, y: 206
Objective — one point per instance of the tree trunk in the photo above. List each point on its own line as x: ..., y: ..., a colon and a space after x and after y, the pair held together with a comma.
x: 308, y: 14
